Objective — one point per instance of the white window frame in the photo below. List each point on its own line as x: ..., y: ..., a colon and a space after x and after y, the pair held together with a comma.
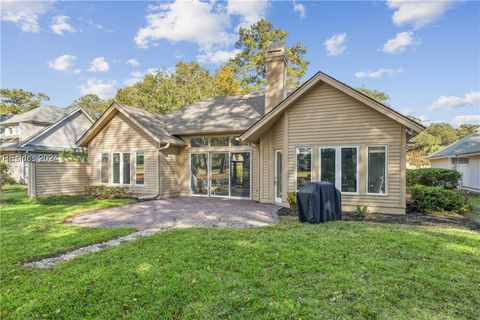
x: 135, y: 169
x: 121, y: 168
x: 386, y: 170
x: 101, y: 167
x: 338, y: 166
x: 296, y: 165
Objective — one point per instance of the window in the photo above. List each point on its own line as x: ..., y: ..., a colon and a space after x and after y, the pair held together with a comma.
x: 339, y: 165
x: 456, y: 161
x: 377, y: 170
x: 349, y: 169
x: 121, y: 168
x: 126, y: 168
x: 116, y: 168
x: 235, y: 142
x: 104, y: 168
x: 327, y: 164
x: 140, y: 168
x: 199, y: 142
x: 304, y: 166
x: 219, y: 141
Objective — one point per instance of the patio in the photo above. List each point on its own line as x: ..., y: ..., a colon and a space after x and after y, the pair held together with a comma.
x: 182, y: 212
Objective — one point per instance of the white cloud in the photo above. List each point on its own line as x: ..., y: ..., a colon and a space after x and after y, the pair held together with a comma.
x: 466, y: 119
x: 335, y: 45
x: 378, y: 73
x: 103, y: 89
x: 24, y: 14
x: 417, y: 13
x: 249, y: 11
x: 133, y: 62
x: 138, y: 76
x: 469, y: 99
x: 77, y: 71
x: 300, y: 9
x: 197, y: 22
x: 60, y: 25
x: 62, y: 63
x: 216, y: 56
x: 407, y: 111
x: 424, y: 119
x: 99, y: 65
x: 400, y: 43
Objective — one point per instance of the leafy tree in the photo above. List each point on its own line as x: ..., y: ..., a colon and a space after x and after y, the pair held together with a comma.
x: 380, y: 96
x: 73, y: 156
x: 18, y: 100
x: 93, y: 104
x: 249, y: 63
x: 163, y: 91
x: 225, y: 82
x: 466, y: 129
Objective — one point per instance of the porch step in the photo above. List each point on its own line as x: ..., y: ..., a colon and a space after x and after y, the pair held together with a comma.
x: 147, y: 197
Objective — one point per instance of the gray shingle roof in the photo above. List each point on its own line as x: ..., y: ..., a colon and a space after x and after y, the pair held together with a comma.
x: 44, y: 114
x: 233, y: 113
x: 468, y: 145
x: 154, y: 122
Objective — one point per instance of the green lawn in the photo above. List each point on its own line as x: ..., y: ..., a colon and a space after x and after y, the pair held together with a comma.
x: 474, y: 201
x: 339, y: 270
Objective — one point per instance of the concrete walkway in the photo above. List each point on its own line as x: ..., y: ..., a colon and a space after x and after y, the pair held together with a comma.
x: 182, y: 212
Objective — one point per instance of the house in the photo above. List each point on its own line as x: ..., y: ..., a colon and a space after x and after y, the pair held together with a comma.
x: 259, y: 146
x: 39, y: 135
x: 464, y: 157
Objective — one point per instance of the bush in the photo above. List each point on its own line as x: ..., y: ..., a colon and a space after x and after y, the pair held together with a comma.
x: 433, y: 177
x: 360, y: 211
x: 292, y: 198
x: 5, y: 176
x: 108, y: 192
x: 436, y: 199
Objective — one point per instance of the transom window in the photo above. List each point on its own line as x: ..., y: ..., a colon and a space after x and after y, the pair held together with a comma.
x: 220, y: 141
x: 339, y: 165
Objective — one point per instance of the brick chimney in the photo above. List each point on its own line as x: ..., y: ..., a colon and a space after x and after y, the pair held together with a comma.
x: 276, y: 75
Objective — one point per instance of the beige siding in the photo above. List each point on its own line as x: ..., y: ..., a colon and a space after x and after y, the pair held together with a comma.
x: 169, y: 172
x: 470, y: 172
x: 58, y: 178
x: 122, y: 135
x: 327, y: 117
x: 443, y: 163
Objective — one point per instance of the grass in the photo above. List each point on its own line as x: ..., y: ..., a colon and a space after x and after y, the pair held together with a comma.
x: 474, y: 201
x: 337, y: 270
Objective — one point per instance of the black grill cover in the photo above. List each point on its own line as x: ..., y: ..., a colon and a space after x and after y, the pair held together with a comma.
x: 319, y: 202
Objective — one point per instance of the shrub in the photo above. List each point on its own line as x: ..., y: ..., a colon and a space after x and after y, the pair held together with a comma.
x: 108, y: 192
x: 5, y: 176
x: 360, y: 211
x: 436, y: 199
x: 433, y: 177
x: 292, y: 198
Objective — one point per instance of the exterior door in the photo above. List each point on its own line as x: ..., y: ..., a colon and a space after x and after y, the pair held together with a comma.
x: 277, y: 180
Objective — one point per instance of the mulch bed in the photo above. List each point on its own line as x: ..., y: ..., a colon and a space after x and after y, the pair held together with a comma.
x: 411, y: 218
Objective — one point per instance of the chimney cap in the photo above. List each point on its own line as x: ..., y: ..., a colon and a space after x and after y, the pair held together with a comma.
x: 276, y: 46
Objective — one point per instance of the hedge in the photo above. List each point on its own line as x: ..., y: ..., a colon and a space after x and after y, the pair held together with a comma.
x: 108, y: 192
x: 436, y: 199
x: 433, y: 177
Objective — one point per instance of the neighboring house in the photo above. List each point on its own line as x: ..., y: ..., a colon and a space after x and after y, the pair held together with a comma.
x: 259, y: 146
x: 462, y: 156
x: 39, y: 135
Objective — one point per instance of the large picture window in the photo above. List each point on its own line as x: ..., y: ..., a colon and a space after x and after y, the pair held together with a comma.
x: 126, y: 168
x: 339, y: 165
x: 116, y: 168
x: 104, y: 168
x: 377, y: 170
x: 304, y: 166
x: 140, y: 168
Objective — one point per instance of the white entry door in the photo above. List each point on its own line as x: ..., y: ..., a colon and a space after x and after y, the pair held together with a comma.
x: 277, y: 180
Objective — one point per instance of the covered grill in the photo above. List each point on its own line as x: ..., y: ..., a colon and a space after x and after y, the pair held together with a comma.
x: 319, y: 202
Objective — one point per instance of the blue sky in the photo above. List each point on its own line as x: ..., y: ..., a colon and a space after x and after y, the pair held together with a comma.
x: 425, y: 55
